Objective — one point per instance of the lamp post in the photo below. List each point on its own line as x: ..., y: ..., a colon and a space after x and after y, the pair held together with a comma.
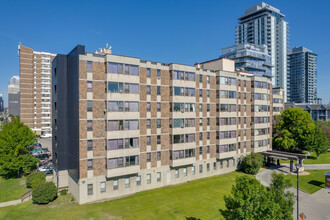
x: 297, y: 167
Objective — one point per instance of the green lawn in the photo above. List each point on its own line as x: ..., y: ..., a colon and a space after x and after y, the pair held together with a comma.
x: 196, y: 199
x: 310, y: 183
x: 323, y: 159
x: 12, y: 189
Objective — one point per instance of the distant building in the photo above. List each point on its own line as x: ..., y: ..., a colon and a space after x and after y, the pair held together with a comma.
x: 35, y: 89
x: 2, y: 108
x: 250, y: 57
x: 319, y: 112
x: 13, y: 96
x: 302, y: 86
x: 264, y: 24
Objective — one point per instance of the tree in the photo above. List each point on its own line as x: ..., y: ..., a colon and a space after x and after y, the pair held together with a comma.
x: 318, y: 142
x: 285, y: 199
x: 251, y: 200
x: 325, y: 127
x: 252, y: 163
x: 292, y: 130
x: 14, y: 155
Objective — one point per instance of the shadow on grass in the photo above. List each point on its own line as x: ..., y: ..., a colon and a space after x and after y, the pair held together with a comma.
x: 312, y: 157
x: 192, y: 218
x: 316, y: 183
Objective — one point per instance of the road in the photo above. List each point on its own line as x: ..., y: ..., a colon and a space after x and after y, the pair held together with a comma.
x: 315, y: 206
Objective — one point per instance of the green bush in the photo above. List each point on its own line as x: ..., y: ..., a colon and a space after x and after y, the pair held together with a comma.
x: 64, y: 192
x: 44, y: 193
x: 252, y: 163
x: 34, y: 179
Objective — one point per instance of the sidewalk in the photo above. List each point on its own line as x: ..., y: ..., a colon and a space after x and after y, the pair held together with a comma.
x: 13, y: 202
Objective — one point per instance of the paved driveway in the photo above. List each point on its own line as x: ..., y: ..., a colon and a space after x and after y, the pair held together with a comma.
x: 315, y: 206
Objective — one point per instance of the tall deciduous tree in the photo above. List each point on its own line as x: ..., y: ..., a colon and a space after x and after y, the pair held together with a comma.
x: 14, y: 155
x: 292, y: 130
x: 318, y: 142
x: 251, y: 200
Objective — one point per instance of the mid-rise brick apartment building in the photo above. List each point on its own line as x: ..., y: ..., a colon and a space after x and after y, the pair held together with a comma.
x: 123, y: 125
x: 35, y: 89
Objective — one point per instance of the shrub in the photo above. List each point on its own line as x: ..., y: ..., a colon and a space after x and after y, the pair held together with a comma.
x: 252, y: 163
x: 44, y: 193
x: 34, y: 179
x: 64, y: 192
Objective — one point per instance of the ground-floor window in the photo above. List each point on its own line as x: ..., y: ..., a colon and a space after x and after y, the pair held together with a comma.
x: 127, y: 182
x: 138, y: 180
x: 208, y: 167
x: 184, y: 171
x: 148, y: 178
x: 102, y: 187
x: 176, y: 173
x: 193, y: 170
x: 215, y: 165
x: 115, y: 184
x: 90, y: 189
x: 159, y: 176
x: 200, y: 168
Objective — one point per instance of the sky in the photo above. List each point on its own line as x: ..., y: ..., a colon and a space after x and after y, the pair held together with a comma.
x: 174, y: 31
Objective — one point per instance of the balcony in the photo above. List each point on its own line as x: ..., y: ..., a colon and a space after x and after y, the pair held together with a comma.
x: 226, y: 154
x: 182, y: 162
x: 259, y: 149
x: 123, y: 171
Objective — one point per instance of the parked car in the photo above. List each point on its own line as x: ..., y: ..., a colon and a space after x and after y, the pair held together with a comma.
x: 49, y: 161
x: 46, y: 136
x: 36, y: 151
x: 42, y: 156
x: 47, y: 169
x: 45, y: 150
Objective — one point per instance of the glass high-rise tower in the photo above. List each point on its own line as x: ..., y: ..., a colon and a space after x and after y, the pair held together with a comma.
x: 263, y: 24
x: 302, y: 75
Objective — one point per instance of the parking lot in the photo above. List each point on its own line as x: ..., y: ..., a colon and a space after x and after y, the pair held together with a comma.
x: 46, y: 143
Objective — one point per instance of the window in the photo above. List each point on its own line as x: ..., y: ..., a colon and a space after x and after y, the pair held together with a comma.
x: 208, y: 149
x: 148, y: 106
x: 115, y: 184
x: 158, y: 106
x: 148, y: 157
x: 201, y: 168
x: 158, y: 74
x: 200, y: 93
x: 89, y: 66
x: 200, y: 107
x: 127, y: 182
x: 115, y: 87
x: 208, y: 135
x: 208, y: 121
x: 158, y: 139
x: 214, y: 165
x: 193, y: 170
x: 244, y: 83
x: 89, y: 86
x: 221, y: 164
x: 176, y: 173
x: 200, y: 122
x: 89, y: 106
x: 148, y: 73
x: 200, y: 150
x: 208, y: 167
x: 148, y: 90
x: 159, y: 176
x: 90, y: 189
x: 89, y: 145
x: 208, y: 107
x: 114, y: 144
x: 148, y: 178
x: 208, y: 79
x: 159, y: 156
x: 184, y: 171
x: 89, y: 164
x: 138, y: 180
x: 200, y: 78
x: 119, y: 162
x: 102, y: 187
x: 89, y: 125
x: 158, y: 90
x: 148, y: 123
x: 200, y: 136
x: 148, y: 140
x: 159, y: 124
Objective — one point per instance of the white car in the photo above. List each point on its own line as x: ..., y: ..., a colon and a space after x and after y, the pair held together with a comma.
x: 46, y: 135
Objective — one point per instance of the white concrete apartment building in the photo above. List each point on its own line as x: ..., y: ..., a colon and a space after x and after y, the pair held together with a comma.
x: 122, y: 125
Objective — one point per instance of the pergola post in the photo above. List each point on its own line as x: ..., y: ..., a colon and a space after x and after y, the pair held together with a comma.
x: 278, y: 162
x: 301, y: 162
x: 291, y: 166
